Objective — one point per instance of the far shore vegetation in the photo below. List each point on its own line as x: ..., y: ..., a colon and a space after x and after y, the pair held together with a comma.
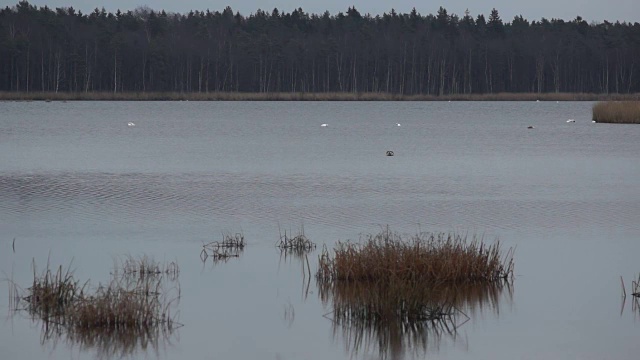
x: 310, y: 96
x: 619, y: 112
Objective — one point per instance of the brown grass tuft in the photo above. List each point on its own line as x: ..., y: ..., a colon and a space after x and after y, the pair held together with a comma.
x: 426, y: 258
x: 121, y: 314
x: 618, y: 112
x: 389, y: 290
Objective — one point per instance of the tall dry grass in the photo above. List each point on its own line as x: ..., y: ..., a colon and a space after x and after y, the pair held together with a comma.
x: 426, y: 258
x: 618, y: 112
x: 120, y: 314
x: 304, y: 96
x: 389, y: 289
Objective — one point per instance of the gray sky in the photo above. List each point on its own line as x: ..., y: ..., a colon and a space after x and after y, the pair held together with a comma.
x: 590, y: 10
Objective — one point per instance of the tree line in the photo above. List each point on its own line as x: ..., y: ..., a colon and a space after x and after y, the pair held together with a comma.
x: 143, y: 50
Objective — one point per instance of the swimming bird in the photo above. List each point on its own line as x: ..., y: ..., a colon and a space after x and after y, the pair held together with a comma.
x: 593, y: 121
x: 398, y: 124
x: 531, y: 127
x: 389, y: 153
x: 571, y: 121
x: 131, y: 124
x: 324, y: 125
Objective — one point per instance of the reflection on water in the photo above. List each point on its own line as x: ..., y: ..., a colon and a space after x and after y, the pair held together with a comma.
x: 396, y: 318
x: 110, y: 343
x: 134, y: 313
x: 76, y: 181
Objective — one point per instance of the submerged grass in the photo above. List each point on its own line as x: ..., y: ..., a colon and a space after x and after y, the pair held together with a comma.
x: 305, y: 96
x: 231, y: 246
x: 426, y: 258
x: 144, y: 266
x: 619, y: 112
x: 298, y: 245
x: 120, y: 313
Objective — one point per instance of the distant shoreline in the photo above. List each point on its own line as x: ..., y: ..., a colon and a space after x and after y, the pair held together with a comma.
x: 335, y: 96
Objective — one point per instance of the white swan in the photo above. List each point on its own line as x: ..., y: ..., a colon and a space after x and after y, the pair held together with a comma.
x: 593, y: 121
x: 571, y: 121
x: 131, y: 124
x: 324, y: 125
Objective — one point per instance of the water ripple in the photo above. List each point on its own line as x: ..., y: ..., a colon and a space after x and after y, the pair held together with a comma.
x: 337, y: 201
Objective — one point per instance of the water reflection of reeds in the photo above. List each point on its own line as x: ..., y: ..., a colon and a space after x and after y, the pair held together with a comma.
x: 398, y: 294
x: 395, y: 318
x: 131, y: 313
x: 109, y: 343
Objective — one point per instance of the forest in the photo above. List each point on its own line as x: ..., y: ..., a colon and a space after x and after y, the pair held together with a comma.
x: 147, y: 50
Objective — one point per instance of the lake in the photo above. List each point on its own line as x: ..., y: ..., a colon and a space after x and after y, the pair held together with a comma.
x: 81, y: 188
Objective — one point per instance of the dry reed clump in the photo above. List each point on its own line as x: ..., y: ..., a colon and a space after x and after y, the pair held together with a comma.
x: 120, y: 313
x: 387, y: 287
x: 230, y: 246
x: 619, y: 112
x: 426, y: 258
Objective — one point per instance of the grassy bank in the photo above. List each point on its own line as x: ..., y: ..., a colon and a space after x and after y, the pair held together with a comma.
x: 619, y: 112
x: 335, y: 96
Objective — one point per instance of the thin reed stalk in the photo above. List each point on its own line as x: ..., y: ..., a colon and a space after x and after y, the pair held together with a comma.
x: 145, y: 266
x: 232, y: 245
x: 299, y: 244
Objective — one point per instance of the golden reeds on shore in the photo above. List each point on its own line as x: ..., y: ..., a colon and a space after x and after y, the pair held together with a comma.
x: 121, y: 314
x: 618, y: 112
x: 303, y: 96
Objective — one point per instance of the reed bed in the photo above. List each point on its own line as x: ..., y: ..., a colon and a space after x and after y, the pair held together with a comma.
x: 120, y: 313
x: 303, y: 96
x: 618, y: 112
x: 232, y: 245
x: 392, y: 290
x: 426, y: 258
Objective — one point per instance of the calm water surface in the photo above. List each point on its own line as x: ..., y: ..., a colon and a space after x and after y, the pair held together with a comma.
x: 77, y: 185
